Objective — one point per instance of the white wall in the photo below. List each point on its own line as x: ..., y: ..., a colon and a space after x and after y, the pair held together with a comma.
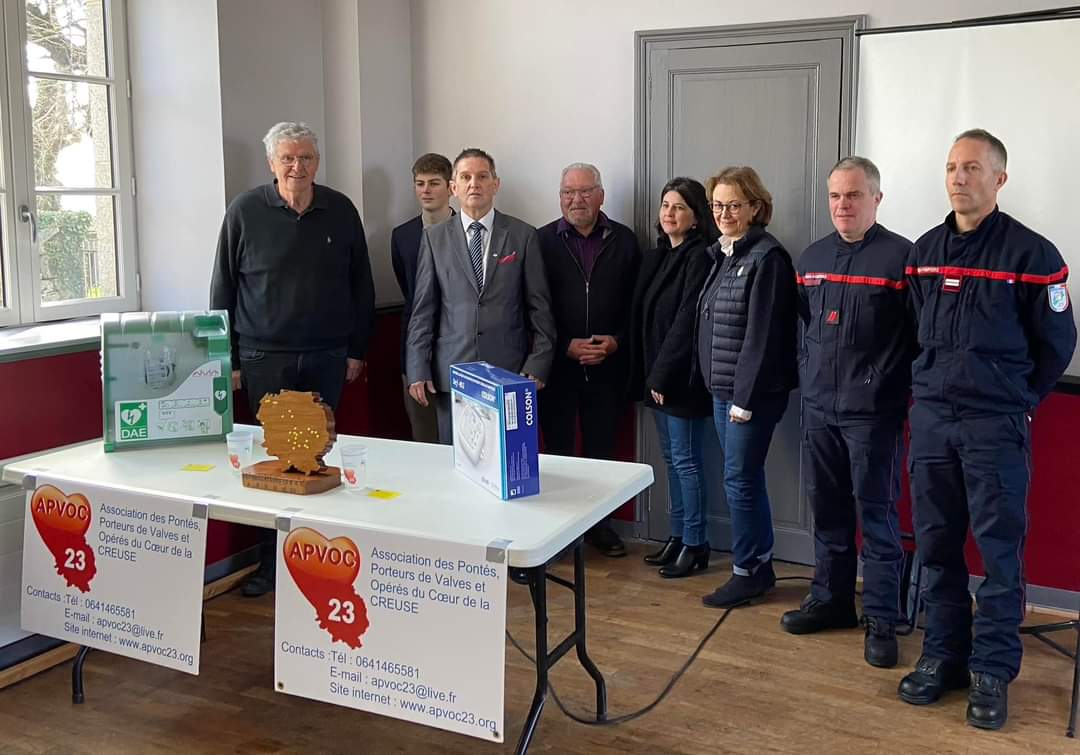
x: 341, y: 79
x: 367, y: 72
x: 179, y: 167
x: 386, y: 132
x: 557, y: 79
x: 271, y: 55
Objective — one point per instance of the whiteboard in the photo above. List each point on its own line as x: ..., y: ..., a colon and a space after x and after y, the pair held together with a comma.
x: 1021, y: 82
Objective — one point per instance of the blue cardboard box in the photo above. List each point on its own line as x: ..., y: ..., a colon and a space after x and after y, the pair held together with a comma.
x: 495, y: 421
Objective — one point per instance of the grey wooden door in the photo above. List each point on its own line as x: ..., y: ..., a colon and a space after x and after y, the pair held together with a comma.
x: 777, y: 99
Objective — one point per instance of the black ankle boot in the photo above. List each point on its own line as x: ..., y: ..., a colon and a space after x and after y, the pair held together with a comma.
x: 691, y: 557
x: 668, y: 552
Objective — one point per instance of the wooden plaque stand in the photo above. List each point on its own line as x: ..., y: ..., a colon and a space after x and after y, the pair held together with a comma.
x: 298, y: 428
x: 269, y: 475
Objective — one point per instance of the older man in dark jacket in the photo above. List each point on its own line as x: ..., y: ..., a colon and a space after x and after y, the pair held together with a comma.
x: 591, y: 264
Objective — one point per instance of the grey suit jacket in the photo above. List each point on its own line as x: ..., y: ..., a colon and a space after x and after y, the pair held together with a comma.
x: 510, y: 325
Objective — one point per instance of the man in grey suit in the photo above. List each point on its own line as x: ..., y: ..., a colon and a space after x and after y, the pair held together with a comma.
x: 481, y: 293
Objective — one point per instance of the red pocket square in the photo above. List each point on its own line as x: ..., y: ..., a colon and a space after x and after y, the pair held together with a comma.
x: 508, y: 258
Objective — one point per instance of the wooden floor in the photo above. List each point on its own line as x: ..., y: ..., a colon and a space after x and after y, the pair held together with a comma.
x: 754, y: 689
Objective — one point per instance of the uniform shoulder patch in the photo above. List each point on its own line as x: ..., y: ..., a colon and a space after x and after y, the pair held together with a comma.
x: 1058, y: 296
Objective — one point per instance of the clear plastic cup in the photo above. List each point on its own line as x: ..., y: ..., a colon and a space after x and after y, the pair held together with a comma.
x: 239, y: 444
x: 354, y: 467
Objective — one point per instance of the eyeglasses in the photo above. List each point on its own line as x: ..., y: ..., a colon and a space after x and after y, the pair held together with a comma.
x: 583, y: 193
x: 733, y: 208
x: 293, y: 159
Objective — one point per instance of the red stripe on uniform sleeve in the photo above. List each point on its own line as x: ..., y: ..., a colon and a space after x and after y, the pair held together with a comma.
x: 851, y: 280
x: 1046, y: 280
x: 996, y: 275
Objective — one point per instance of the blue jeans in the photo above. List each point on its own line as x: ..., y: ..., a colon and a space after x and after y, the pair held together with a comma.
x: 680, y: 442
x: 745, y: 445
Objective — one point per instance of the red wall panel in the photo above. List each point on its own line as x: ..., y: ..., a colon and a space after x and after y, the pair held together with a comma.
x: 1053, y: 545
x: 49, y: 402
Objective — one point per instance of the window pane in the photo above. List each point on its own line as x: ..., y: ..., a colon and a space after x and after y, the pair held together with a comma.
x: 66, y: 36
x: 77, y: 243
x: 71, y: 134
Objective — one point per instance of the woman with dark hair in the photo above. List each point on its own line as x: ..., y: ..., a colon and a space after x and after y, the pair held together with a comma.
x: 662, y: 370
x: 746, y: 350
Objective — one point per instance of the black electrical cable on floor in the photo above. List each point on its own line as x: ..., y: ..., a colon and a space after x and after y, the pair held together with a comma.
x: 663, y: 693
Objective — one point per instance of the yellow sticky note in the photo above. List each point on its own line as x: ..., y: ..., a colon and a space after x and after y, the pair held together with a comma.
x: 383, y: 495
x: 197, y: 468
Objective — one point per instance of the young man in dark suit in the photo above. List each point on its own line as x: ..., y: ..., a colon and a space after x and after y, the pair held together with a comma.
x: 431, y: 182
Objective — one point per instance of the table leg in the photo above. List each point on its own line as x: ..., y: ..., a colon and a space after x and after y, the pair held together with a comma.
x: 538, y: 590
x: 579, y: 631
x: 77, y: 695
x: 538, y: 577
x: 1071, y: 731
x: 1039, y: 632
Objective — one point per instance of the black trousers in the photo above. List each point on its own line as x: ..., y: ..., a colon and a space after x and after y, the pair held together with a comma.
x: 852, y: 475
x: 972, y: 471
x: 595, y: 405
x: 265, y: 372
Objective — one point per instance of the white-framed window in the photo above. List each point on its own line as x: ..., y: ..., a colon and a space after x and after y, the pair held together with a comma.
x: 67, y: 215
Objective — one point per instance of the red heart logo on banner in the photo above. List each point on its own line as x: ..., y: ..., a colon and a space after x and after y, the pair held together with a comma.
x: 62, y: 521
x: 324, y: 571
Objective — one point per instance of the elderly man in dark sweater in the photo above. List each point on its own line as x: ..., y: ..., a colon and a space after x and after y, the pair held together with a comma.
x: 591, y: 264
x: 292, y: 270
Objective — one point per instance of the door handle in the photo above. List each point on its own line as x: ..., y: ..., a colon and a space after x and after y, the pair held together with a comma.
x: 26, y: 216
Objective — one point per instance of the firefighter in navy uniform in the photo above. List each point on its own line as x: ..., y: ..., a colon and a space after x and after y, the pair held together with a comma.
x: 857, y: 345
x: 996, y: 331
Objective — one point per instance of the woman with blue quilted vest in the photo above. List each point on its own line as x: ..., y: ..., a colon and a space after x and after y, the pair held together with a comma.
x: 746, y: 350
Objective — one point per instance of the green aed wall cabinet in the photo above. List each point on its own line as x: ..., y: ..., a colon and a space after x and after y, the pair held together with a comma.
x: 166, y: 377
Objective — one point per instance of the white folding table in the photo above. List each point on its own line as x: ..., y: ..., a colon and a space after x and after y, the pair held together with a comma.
x: 435, y: 502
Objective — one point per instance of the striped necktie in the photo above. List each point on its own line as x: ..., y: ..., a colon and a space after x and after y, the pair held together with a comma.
x: 476, y: 252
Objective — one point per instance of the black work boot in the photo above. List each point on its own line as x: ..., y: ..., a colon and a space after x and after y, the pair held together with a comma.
x: 740, y: 589
x: 815, y: 615
x: 606, y: 540
x: 931, y: 678
x: 261, y: 580
x: 880, y: 648
x: 988, y: 701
